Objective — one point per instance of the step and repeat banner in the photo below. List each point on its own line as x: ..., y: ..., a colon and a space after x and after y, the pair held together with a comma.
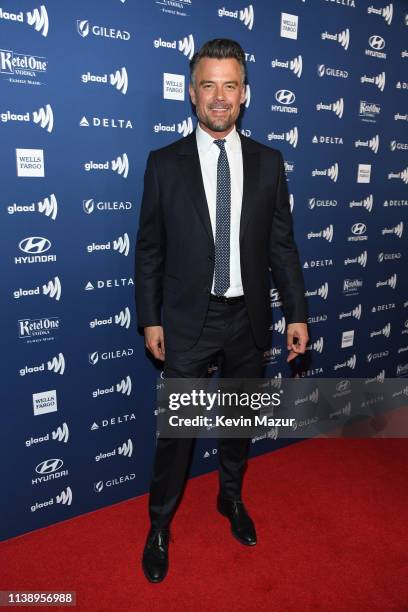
x: 87, y: 90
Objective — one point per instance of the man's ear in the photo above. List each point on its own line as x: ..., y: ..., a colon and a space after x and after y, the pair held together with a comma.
x: 243, y: 94
x: 192, y: 93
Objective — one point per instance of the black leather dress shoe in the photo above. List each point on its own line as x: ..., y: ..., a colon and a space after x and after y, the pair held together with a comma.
x: 242, y: 526
x: 155, y: 561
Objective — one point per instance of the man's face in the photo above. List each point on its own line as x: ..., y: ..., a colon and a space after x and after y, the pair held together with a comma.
x: 217, y: 94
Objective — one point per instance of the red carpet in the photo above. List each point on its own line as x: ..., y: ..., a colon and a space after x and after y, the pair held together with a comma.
x: 332, y: 526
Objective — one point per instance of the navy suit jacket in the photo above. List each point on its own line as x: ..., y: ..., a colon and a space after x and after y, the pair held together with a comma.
x: 175, y: 245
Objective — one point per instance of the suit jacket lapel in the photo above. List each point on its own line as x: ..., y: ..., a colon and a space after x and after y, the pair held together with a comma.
x: 193, y: 180
x: 250, y: 160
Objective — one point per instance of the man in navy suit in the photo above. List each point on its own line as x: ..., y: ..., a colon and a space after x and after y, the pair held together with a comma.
x: 215, y: 218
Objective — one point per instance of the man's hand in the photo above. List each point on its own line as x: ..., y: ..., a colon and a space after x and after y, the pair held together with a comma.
x: 296, y: 331
x: 154, y: 340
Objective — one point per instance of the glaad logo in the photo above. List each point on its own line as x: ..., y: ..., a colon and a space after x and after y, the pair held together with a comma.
x: 343, y: 38
x: 123, y: 319
x: 325, y: 233
x: 295, y: 65
x: 124, y: 387
x: 360, y: 259
x: 52, y: 289
x: 37, y: 18
x: 397, y: 230
x: 118, y: 79
x: 61, y: 434
x: 65, y: 497
x: 387, y: 12
x: 384, y: 331
x: 118, y: 354
x: 366, y: 203
x: 389, y: 282
x: 184, y: 127
x: 90, y: 206
x: 126, y: 450
x: 280, y: 325
x: 48, y: 207
x: 378, y: 80
x: 355, y: 312
x: 403, y: 175
x: 317, y: 345
x: 373, y: 143
x: 246, y: 15
x: 56, y: 365
x: 332, y: 172
x: 84, y: 28
x: 336, y: 107
x: 322, y: 291
x: 121, y: 244
x: 184, y: 45
x: 292, y: 136
x: 120, y: 165
x: 349, y: 363
x: 35, y: 247
x: 43, y: 117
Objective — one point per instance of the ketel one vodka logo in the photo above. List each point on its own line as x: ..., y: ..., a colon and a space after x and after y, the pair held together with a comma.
x: 44, y: 117
x: 48, y: 207
x: 50, y: 469
x: 56, y: 365
x: 121, y: 245
x: 118, y: 79
x: 36, y: 251
x: 37, y: 18
x: 120, y: 165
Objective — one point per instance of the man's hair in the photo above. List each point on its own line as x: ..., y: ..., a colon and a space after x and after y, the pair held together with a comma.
x: 219, y: 48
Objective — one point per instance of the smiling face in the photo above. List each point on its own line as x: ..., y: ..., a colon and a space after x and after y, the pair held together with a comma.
x: 217, y: 94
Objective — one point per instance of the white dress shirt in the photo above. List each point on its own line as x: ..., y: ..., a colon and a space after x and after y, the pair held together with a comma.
x: 208, y: 153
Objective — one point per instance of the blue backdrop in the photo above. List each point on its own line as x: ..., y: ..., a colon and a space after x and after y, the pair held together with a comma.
x: 87, y: 89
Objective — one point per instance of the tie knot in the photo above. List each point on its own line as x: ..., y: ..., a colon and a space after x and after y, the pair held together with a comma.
x: 220, y: 143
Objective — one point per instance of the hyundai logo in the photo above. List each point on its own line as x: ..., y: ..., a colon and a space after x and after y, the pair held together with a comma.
x: 285, y: 96
x: 358, y: 229
x: 376, y: 42
x: 49, y: 466
x: 34, y: 245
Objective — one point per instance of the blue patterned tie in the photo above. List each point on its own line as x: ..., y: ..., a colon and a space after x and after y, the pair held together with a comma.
x: 222, y: 222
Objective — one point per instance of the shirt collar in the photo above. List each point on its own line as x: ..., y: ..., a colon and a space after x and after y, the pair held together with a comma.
x: 205, y: 141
